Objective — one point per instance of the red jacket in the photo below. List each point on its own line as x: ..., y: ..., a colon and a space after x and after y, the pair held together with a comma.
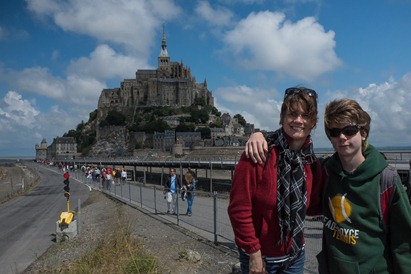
x: 253, y: 205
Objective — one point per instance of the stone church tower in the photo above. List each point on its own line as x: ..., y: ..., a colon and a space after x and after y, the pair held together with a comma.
x: 171, y: 84
x: 41, y: 150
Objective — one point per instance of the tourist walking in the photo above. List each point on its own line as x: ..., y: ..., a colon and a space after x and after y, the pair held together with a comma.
x: 189, y: 189
x: 118, y: 176
x: 109, y: 179
x: 172, y: 186
x: 103, y: 180
x: 123, y: 176
x: 97, y: 173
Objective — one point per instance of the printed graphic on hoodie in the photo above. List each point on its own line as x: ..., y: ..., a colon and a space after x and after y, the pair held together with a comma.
x: 341, y: 210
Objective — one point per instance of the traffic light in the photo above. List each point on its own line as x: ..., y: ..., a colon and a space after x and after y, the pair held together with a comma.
x: 67, y: 216
x: 67, y: 186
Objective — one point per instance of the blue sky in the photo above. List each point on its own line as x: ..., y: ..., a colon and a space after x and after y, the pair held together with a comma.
x: 57, y: 56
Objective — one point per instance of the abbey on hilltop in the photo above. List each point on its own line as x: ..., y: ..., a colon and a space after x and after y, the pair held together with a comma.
x: 171, y: 84
x: 116, y: 128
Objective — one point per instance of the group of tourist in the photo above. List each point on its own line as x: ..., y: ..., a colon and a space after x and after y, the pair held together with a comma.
x: 106, y: 176
x: 187, y: 189
x: 279, y: 180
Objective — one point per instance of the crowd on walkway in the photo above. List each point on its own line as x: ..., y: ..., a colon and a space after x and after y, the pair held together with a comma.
x: 107, y: 177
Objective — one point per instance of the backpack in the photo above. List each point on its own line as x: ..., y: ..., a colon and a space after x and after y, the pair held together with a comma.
x: 388, y: 180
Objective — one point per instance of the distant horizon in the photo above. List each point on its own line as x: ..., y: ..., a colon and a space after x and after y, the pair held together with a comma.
x: 317, y: 150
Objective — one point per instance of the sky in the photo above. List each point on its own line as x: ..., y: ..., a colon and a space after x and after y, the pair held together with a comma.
x: 57, y: 56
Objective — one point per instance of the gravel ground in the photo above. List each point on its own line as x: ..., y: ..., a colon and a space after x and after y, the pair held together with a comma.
x: 163, y: 240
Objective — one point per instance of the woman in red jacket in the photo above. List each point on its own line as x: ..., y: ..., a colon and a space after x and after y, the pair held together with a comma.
x: 268, y: 201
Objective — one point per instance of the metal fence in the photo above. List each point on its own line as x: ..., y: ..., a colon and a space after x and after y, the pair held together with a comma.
x: 209, y: 219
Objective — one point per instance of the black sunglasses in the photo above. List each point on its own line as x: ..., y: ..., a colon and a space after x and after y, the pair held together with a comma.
x: 310, y: 92
x: 347, y: 131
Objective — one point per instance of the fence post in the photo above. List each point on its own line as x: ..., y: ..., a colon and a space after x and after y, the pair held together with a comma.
x: 141, y: 194
x: 155, y: 199
x: 78, y: 215
x: 178, y: 192
x: 211, y: 177
x: 215, y: 215
x: 121, y: 189
x: 129, y: 191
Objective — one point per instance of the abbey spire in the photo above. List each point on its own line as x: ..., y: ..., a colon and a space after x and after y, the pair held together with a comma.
x: 163, y: 66
x: 163, y: 52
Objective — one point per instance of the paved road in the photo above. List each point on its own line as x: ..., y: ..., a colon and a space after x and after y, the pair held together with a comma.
x: 28, y: 223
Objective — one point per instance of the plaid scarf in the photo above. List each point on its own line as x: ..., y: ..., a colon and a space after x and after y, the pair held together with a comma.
x: 291, y: 188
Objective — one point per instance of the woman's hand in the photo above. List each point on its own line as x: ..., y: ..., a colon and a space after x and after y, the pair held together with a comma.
x: 256, y: 147
x: 257, y: 265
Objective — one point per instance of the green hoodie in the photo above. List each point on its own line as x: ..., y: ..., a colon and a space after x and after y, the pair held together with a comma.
x: 354, y: 240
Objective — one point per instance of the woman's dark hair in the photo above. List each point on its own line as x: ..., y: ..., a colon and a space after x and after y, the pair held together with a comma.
x: 304, y: 97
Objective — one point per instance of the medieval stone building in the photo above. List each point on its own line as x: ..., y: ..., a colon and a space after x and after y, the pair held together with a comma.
x: 41, y: 150
x: 62, y: 148
x: 171, y: 84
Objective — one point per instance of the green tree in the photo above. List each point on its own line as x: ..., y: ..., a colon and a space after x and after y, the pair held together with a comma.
x: 199, y: 101
x: 215, y: 111
x: 92, y: 116
x: 155, y: 125
x: 240, y: 119
x: 184, y: 127
x: 199, y: 116
x: 218, y: 123
x: 80, y: 126
x: 114, y: 118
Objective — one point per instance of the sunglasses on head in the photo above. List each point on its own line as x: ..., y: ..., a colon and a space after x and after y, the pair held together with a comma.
x: 310, y: 92
x: 347, y: 131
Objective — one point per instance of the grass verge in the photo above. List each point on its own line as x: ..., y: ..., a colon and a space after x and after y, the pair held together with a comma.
x: 117, y: 252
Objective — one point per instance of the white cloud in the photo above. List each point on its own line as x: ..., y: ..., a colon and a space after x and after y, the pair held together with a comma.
x: 129, y: 23
x: 14, y: 111
x: 104, y: 63
x: 37, y: 80
x: 388, y: 105
x: 22, y: 123
x: 257, y: 106
x: 266, y: 41
x: 68, y: 90
x: 85, y: 78
x: 218, y: 16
